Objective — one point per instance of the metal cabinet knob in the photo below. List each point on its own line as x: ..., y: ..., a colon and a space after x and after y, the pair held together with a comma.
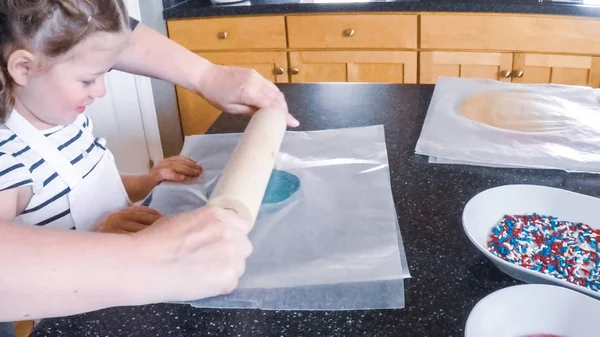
x: 349, y: 32
x: 278, y: 71
x: 517, y: 73
x: 294, y: 71
x: 505, y: 73
x: 222, y: 35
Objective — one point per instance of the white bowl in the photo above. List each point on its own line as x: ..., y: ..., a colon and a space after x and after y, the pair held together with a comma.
x: 532, y: 309
x: 484, y: 210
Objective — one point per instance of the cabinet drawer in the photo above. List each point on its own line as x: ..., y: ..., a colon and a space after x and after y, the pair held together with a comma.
x: 229, y: 33
x: 510, y: 33
x: 352, y: 31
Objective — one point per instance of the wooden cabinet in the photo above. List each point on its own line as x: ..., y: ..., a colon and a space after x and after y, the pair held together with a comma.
x: 197, y: 115
x: 392, y: 48
x: 351, y: 48
x: 353, y: 66
x: 495, y: 66
x: 528, y: 48
x: 558, y: 69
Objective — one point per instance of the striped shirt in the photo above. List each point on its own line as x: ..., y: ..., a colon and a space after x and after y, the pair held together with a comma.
x: 21, y: 166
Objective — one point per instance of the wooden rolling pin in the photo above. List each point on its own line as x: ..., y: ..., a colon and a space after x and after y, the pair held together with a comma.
x: 244, y: 180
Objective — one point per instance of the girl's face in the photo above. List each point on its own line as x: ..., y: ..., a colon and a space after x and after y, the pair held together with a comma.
x: 56, y: 95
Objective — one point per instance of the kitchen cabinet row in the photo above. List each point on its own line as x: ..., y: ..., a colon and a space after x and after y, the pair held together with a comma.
x: 391, y: 48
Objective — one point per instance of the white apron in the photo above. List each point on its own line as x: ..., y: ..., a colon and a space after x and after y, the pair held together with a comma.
x: 101, y: 192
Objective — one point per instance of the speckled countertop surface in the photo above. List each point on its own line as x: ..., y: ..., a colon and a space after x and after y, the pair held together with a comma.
x: 174, y: 9
x: 449, y: 274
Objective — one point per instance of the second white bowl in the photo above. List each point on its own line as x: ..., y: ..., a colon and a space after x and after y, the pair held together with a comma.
x: 534, y: 309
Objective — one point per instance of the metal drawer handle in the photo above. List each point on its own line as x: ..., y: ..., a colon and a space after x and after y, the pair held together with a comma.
x: 349, y: 32
x: 278, y: 71
x: 517, y: 73
x: 222, y: 35
x: 505, y: 73
x: 294, y: 71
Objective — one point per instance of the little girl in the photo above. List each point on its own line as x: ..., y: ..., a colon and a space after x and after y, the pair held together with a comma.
x: 53, y: 171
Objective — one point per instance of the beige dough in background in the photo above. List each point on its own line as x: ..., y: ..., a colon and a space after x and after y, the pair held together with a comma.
x: 521, y: 111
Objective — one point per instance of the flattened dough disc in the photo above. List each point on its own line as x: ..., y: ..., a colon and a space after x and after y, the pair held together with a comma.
x: 519, y: 111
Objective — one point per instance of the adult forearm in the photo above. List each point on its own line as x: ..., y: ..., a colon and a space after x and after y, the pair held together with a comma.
x: 48, y: 273
x: 235, y: 90
x: 154, y: 55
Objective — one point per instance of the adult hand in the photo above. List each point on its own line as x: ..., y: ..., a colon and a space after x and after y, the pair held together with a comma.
x: 238, y: 90
x: 201, y: 253
x: 129, y: 220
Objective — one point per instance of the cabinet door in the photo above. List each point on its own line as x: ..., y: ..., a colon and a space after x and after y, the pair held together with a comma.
x: 197, y: 115
x: 496, y: 66
x: 558, y: 69
x: 353, y: 66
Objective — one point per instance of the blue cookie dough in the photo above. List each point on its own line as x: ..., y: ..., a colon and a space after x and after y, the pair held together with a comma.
x: 282, y: 185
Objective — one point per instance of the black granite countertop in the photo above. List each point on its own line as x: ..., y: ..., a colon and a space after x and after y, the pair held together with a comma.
x: 449, y: 275
x: 174, y: 9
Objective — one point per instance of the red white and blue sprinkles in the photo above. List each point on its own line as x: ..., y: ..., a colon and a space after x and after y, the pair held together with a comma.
x: 565, y: 250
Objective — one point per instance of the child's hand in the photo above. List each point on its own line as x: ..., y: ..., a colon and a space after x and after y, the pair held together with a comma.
x: 129, y: 220
x: 177, y: 169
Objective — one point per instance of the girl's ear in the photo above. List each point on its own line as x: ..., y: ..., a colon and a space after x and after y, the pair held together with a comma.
x: 20, y: 66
